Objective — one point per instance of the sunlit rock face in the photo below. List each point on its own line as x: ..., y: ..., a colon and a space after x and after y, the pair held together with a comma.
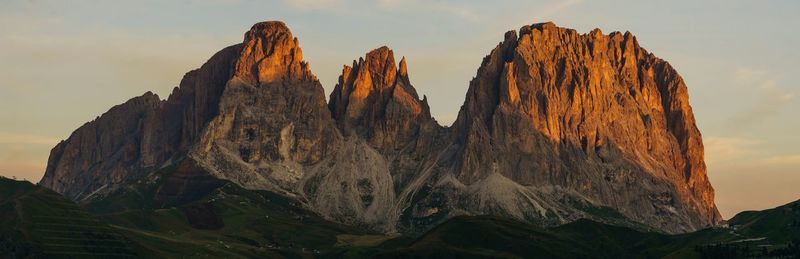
x: 375, y: 100
x: 556, y: 126
x: 592, y: 114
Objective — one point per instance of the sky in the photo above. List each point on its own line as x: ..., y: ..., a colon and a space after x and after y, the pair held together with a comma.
x: 63, y: 63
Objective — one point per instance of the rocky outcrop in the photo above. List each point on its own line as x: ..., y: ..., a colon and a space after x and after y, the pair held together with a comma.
x: 272, y: 115
x: 556, y: 126
x: 111, y: 144
x: 375, y: 100
x: 253, y: 114
x: 139, y: 136
x: 390, y: 137
x: 593, y: 114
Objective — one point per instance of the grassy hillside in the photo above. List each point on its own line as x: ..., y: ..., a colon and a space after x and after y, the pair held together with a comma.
x: 180, y: 211
x: 780, y: 225
x: 492, y: 237
x: 233, y: 223
x: 773, y: 233
x: 37, y: 222
x: 147, y: 219
x: 177, y: 213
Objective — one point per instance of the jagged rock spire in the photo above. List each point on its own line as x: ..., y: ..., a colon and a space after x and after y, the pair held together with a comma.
x: 270, y: 53
x: 374, y: 98
x: 402, y: 71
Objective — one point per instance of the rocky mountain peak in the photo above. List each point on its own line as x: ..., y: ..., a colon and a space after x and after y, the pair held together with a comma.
x: 270, y: 53
x: 599, y: 99
x: 402, y: 71
x: 267, y: 29
x: 227, y: 99
x: 371, y: 100
x: 273, y: 108
x: 380, y: 63
x: 556, y: 126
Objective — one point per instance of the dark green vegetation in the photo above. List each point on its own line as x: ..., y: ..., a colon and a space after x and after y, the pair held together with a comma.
x: 492, y: 237
x: 773, y: 233
x: 181, y: 213
x: 37, y: 222
x: 770, y: 233
x: 781, y: 224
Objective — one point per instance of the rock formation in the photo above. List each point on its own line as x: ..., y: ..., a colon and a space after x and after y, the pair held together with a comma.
x: 593, y: 116
x: 139, y: 136
x: 272, y: 114
x: 556, y: 126
x: 374, y: 99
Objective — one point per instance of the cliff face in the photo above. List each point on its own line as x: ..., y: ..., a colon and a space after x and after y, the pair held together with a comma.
x: 593, y: 114
x: 140, y: 135
x: 272, y: 115
x: 556, y: 126
x: 375, y: 100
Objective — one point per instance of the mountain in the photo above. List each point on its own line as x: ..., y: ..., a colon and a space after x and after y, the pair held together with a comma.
x: 556, y: 126
x: 587, y: 117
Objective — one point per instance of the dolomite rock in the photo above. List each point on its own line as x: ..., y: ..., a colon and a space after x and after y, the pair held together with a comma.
x: 556, y: 126
x: 253, y: 114
x: 139, y: 136
x: 375, y: 100
x: 590, y: 113
x: 105, y: 150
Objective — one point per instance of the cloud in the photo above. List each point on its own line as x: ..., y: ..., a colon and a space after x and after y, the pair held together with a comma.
x: 27, y: 139
x: 396, y: 3
x: 450, y: 8
x: 782, y: 160
x: 770, y: 97
x: 558, y: 7
x: 463, y: 12
x: 446, y: 7
x: 546, y: 12
x: 453, y: 9
x: 216, y: 2
x: 309, y: 5
x: 134, y: 59
x: 722, y: 149
x: 47, y: 62
x: 735, y: 151
x: 749, y: 75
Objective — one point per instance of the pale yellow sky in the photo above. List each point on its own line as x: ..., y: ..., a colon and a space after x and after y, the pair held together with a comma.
x: 64, y: 63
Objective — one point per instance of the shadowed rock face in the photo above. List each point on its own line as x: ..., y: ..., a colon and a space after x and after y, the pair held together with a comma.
x: 556, y: 125
x: 140, y: 135
x: 272, y: 115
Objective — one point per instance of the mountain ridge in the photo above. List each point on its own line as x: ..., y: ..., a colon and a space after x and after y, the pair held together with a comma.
x: 528, y: 142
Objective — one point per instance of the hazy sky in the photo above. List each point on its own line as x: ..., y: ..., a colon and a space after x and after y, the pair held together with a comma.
x: 62, y: 63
